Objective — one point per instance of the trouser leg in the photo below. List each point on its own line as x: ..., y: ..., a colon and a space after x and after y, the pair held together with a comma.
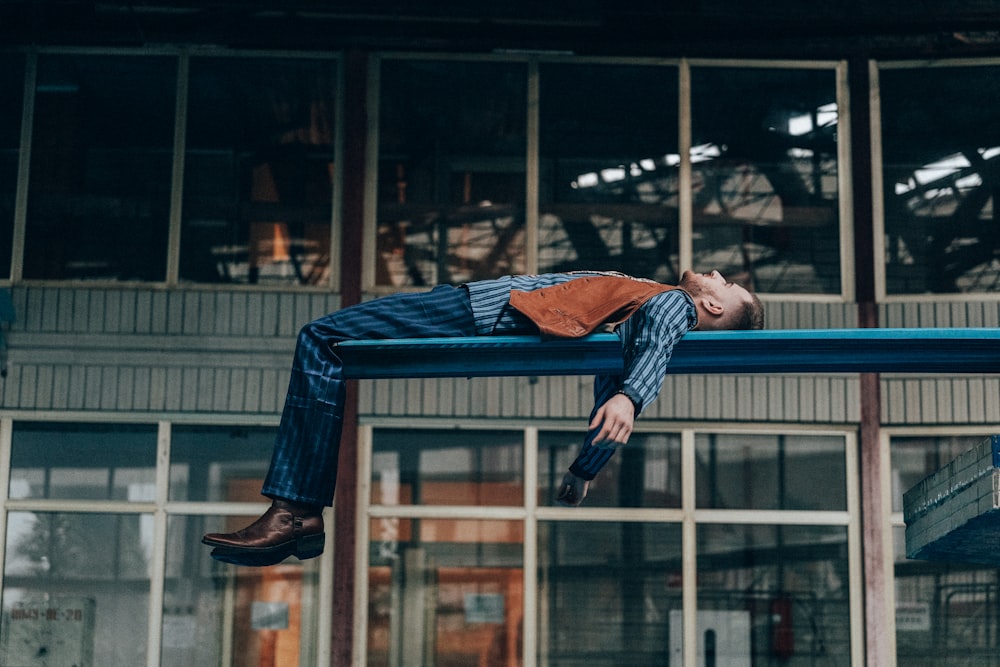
x: 593, y: 457
x: 304, y: 463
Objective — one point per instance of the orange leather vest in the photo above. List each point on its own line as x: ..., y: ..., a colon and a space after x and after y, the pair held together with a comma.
x: 580, y: 306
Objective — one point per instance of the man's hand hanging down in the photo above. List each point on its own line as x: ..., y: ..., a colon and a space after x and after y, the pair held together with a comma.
x: 615, y: 418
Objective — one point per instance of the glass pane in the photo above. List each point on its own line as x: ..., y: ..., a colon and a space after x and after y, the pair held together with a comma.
x: 452, y: 144
x: 764, y: 154
x: 76, y: 589
x: 940, y: 137
x: 609, y: 176
x: 219, y: 463
x: 644, y: 473
x: 101, y: 156
x: 454, y: 467
x: 915, y: 457
x: 946, y: 613
x: 11, y: 102
x: 447, y: 592
x: 258, y: 171
x: 771, y: 472
x: 83, y: 461
x: 607, y: 592
x: 774, y: 593
x: 218, y: 614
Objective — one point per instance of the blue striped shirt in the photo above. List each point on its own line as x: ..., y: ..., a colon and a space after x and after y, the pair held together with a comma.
x: 648, y: 337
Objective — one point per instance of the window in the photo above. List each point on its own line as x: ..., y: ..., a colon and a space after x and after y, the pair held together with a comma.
x: 467, y: 467
x: 456, y: 580
x: 644, y: 473
x: 943, y: 610
x: 75, y: 583
x: 101, y: 159
x: 451, y: 171
x: 211, y: 616
x: 940, y: 140
x: 768, y: 516
x: 764, y: 177
x: 259, y: 171
x: 609, y: 590
x: 768, y: 472
x: 90, y: 539
x: 609, y: 169
x: 11, y: 110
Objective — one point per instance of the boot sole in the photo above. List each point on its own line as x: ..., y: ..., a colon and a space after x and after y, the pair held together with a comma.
x: 303, y: 548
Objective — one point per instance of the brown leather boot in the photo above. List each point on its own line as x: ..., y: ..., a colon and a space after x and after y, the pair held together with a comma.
x: 286, y: 529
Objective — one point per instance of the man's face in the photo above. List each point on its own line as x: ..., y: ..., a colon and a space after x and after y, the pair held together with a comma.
x: 730, y: 295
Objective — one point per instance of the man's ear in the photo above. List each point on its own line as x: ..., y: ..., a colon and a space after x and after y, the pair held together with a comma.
x: 712, y: 306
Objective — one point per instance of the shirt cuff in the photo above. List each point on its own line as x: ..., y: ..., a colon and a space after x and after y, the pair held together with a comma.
x: 635, y: 403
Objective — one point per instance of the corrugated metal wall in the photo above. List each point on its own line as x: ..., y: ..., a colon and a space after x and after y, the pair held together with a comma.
x: 201, y: 351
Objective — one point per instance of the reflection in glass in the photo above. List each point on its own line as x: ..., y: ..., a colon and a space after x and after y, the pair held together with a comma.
x: 774, y: 592
x: 940, y: 150
x: 946, y: 613
x: 83, y: 461
x: 454, y: 467
x: 769, y: 472
x: 609, y: 169
x: 101, y: 159
x: 764, y: 168
x: 76, y: 585
x: 11, y: 102
x: 258, y: 171
x: 915, y: 457
x: 607, y: 591
x: 451, y: 179
x: 219, y: 463
x: 217, y: 614
x: 447, y: 592
x: 644, y: 473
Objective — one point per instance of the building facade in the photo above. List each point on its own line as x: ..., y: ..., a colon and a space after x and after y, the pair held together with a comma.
x: 173, y: 214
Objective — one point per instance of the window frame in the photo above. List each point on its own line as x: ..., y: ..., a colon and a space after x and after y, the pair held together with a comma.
x: 688, y: 516
x: 183, y: 56
x: 532, y: 175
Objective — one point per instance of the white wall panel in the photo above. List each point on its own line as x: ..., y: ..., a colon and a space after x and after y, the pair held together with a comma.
x: 153, y: 350
x: 199, y: 350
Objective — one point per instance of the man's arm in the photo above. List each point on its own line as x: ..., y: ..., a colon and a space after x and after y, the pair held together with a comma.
x: 648, y: 339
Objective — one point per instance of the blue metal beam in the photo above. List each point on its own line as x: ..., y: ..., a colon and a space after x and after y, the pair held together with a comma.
x: 769, y: 351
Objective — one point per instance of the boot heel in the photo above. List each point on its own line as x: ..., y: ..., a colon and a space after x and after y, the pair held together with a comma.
x: 309, y: 546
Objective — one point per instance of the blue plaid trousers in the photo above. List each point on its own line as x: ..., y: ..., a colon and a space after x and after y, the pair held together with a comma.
x: 307, y: 447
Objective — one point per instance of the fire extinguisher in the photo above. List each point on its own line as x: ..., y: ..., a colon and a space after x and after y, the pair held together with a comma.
x: 782, y: 633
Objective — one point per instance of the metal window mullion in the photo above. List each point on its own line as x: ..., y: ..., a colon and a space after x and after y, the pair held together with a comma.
x: 337, y: 194
x: 532, y: 174
x: 23, y: 169
x: 529, y: 566
x: 689, y: 552
x: 362, y: 541
x: 878, y: 194
x: 369, y: 240
x: 6, y: 438
x: 177, y: 171
x: 324, y: 601
x: 158, y: 566
x: 856, y: 585
x: 845, y: 187
x: 685, y: 197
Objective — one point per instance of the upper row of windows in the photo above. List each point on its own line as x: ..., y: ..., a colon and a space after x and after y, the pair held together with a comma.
x: 486, y: 167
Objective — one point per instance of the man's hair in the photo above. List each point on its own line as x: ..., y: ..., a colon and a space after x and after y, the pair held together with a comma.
x: 751, y: 316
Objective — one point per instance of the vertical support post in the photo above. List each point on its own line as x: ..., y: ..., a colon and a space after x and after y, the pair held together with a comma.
x: 345, y: 504
x: 877, y: 649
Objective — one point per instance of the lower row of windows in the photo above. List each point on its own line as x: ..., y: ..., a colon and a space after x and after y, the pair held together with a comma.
x: 80, y: 581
